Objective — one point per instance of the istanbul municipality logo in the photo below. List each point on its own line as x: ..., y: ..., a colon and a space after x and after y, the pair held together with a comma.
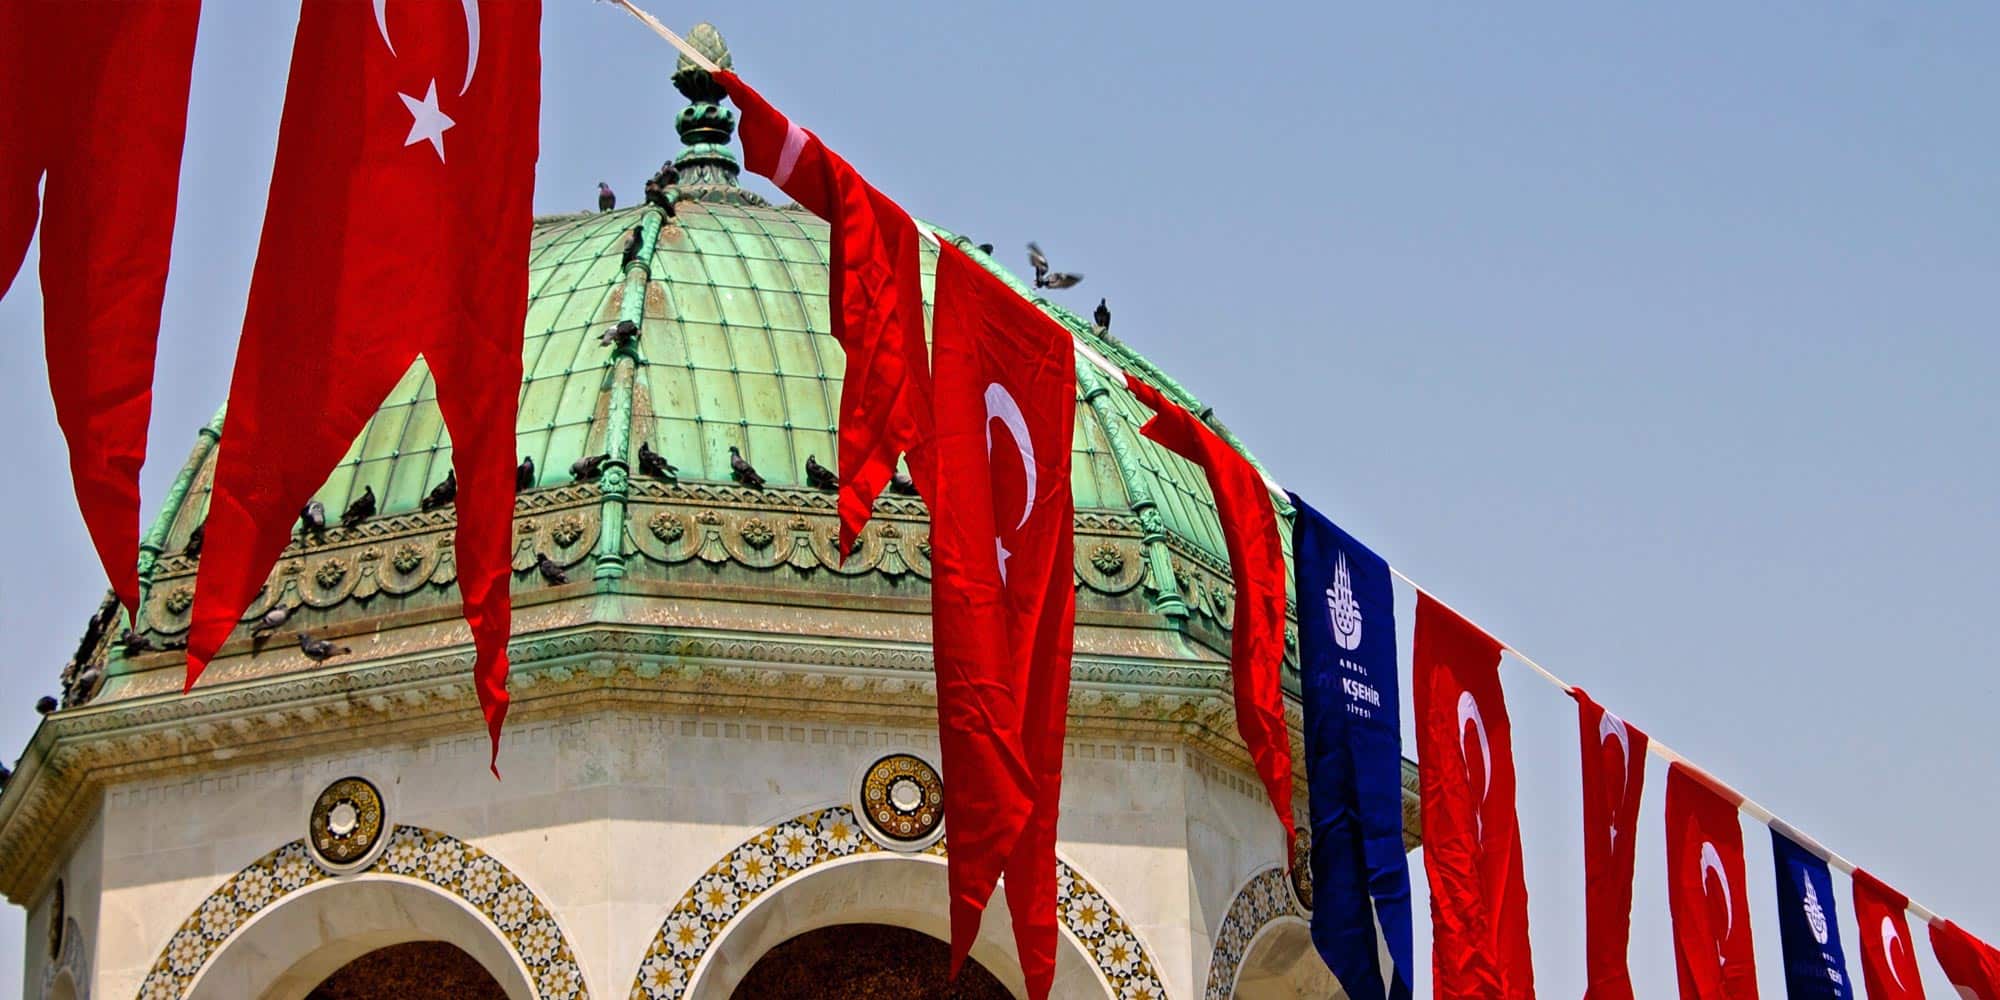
x: 1343, y: 608
x: 1815, y: 913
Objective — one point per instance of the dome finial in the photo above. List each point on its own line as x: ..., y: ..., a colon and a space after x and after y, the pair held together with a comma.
x: 707, y: 167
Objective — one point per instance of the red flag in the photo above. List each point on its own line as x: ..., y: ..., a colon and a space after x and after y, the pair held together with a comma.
x: 1888, y: 953
x: 877, y: 301
x: 1712, y: 948
x: 1614, y: 773
x: 1472, y: 842
x: 1001, y: 576
x: 1257, y: 568
x: 398, y: 223
x: 96, y: 97
x: 1972, y: 965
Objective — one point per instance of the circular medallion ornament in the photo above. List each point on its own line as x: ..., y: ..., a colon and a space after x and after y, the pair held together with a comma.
x: 1301, y: 874
x: 346, y: 826
x: 57, y: 914
x: 902, y: 802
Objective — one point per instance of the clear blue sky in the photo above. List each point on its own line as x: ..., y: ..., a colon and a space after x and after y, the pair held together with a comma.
x: 1661, y: 342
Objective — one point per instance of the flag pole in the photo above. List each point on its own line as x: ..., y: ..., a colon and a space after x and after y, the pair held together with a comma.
x: 667, y: 33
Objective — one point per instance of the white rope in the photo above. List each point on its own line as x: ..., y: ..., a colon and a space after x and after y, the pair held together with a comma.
x: 667, y: 33
x: 1658, y: 749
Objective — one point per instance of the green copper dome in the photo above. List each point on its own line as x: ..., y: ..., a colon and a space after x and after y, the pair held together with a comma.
x: 735, y: 350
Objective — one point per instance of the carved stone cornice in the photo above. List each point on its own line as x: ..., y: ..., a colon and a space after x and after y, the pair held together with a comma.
x: 594, y: 667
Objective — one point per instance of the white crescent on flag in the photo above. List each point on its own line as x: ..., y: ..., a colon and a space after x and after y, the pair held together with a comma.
x: 1000, y: 405
x: 1890, y: 939
x: 1611, y: 727
x: 1711, y: 860
x: 1468, y: 712
x: 471, y: 37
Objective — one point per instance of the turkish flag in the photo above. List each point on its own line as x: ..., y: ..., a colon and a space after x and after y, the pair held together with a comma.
x: 398, y: 223
x: 877, y: 301
x: 96, y: 95
x: 1972, y: 965
x: 1713, y: 956
x: 1472, y: 842
x: 1888, y: 953
x: 1257, y: 568
x: 1614, y: 774
x: 1003, y: 603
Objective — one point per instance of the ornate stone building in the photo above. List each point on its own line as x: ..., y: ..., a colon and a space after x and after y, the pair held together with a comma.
x: 720, y: 767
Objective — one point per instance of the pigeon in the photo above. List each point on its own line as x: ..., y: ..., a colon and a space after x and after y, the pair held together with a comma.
x: 320, y: 650
x: 86, y: 683
x: 46, y: 704
x: 1102, y: 316
x: 621, y: 335
x: 902, y: 485
x: 550, y: 571
x: 652, y: 463
x: 272, y: 621
x: 192, y: 549
x: 820, y: 477
x: 134, y: 643
x: 443, y: 493
x: 986, y: 248
x: 312, y: 518
x: 606, y: 199
x: 742, y: 471
x: 360, y: 510
x: 5, y: 773
x: 524, y: 474
x: 1045, y: 278
x: 588, y: 468
x: 631, y: 251
x: 657, y: 193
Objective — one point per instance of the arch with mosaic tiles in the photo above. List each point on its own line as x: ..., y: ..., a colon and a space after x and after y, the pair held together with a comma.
x: 824, y: 842
x: 421, y: 870
x: 1265, y: 946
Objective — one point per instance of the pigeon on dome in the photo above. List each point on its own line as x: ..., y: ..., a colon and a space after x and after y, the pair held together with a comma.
x: 606, y: 199
x: 742, y: 471
x: 1045, y: 278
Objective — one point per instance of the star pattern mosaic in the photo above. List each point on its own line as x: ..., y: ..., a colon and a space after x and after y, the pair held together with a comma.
x: 1265, y: 898
x: 439, y: 859
x: 769, y: 858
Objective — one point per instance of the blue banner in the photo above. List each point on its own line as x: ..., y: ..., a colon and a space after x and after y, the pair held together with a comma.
x: 1354, y: 758
x: 1814, y: 965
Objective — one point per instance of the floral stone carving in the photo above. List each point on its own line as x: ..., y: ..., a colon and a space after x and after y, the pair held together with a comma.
x: 1108, y: 558
x: 178, y: 600
x: 757, y: 533
x: 567, y: 531
x: 330, y: 573
x: 666, y: 527
x: 407, y: 558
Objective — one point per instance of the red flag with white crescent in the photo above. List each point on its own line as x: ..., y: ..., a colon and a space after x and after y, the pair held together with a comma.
x: 1614, y: 775
x: 1002, y: 543
x: 95, y: 100
x: 1707, y: 890
x: 877, y: 301
x: 1472, y: 840
x: 1888, y: 952
x: 398, y: 225
x: 1972, y: 965
x: 1257, y: 568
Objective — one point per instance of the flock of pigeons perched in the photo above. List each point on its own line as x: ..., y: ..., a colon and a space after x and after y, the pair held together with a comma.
x: 589, y: 468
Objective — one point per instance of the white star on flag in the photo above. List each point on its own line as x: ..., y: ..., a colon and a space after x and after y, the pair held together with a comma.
x: 427, y: 123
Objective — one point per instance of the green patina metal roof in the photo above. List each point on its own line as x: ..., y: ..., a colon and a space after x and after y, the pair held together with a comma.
x: 736, y: 350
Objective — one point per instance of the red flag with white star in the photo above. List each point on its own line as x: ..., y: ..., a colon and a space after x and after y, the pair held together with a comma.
x: 1472, y: 837
x: 1707, y: 890
x: 1003, y: 598
x: 398, y: 224
x: 1888, y: 952
x: 96, y: 98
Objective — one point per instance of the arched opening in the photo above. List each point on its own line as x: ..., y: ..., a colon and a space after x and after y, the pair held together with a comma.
x: 897, y: 890
x: 865, y: 962
x: 64, y: 987
x: 416, y: 970
x: 300, y: 943
x: 1280, y: 964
